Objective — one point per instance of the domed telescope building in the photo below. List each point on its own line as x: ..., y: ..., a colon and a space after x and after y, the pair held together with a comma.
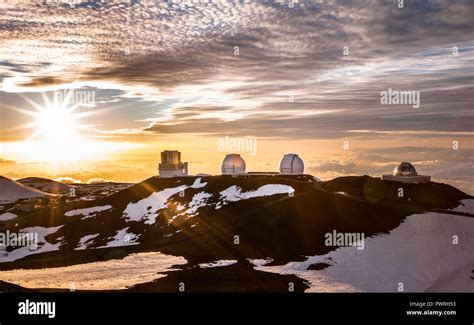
x: 406, y: 173
x: 233, y: 164
x: 291, y: 164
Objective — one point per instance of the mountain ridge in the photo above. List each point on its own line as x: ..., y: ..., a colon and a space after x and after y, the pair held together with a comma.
x: 204, y: 230
x: 13, y: 191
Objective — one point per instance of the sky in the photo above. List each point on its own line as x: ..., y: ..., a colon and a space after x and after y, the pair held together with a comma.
x: 292, y: 76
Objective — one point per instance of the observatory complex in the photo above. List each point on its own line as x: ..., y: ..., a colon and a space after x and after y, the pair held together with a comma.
x: 291, y: 164
x: 406, y: 173
x: 234, y: 164
x: 171, y: 164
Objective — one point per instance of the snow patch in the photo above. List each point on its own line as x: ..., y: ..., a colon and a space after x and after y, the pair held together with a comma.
x: 418, y: 253
x: 147, y: 208
x: 260, y: 261
x: 85, y: 242
x: 219, y: 263
x: 42, y: 247
x: 115, y: 274
x: 466, y: 206
x: 88, y: 212
x: 234, y: 193
x: 122, y: 238
x: 7, y: 216
x: 199, y: 200
x: 454, y: 282
x: 198, y: 184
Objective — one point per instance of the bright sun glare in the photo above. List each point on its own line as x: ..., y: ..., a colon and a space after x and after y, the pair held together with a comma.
x: 55, y: 123
x: 56, y: 138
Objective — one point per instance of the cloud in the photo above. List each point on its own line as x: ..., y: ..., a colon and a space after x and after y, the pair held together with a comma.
x: 98, y: 180
x: 164, y: 51
x: 335, y: 166
x: 67, y: 180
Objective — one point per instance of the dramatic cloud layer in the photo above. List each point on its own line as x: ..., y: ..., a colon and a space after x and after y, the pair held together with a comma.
x: 290, y: 74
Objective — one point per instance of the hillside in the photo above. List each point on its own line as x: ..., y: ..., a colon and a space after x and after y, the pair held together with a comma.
x: 428, y: 195
x: 12, y: 191
x: 276, y: 219
x: 45, y: 185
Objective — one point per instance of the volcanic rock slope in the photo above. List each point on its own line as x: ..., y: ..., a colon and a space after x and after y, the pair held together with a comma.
x: 12, y: 191
x: 203, y: 219
x: 45, y: 185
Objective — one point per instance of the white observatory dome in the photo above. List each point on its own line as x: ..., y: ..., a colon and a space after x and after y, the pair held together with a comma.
x: 233, y: 164
x: 405, y: 169
x: 291, y: 164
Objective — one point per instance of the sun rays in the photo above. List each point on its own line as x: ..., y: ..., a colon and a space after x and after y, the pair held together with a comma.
x: 56, y: 137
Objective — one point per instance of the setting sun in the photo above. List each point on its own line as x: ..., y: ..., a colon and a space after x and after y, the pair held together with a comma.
x: 57, y: 123
x: 56, y: 137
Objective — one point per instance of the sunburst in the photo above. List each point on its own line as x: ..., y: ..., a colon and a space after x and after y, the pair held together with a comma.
x: 56, y: 137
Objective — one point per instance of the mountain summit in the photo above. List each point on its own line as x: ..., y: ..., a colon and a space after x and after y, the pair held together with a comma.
x: 219, y: 221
